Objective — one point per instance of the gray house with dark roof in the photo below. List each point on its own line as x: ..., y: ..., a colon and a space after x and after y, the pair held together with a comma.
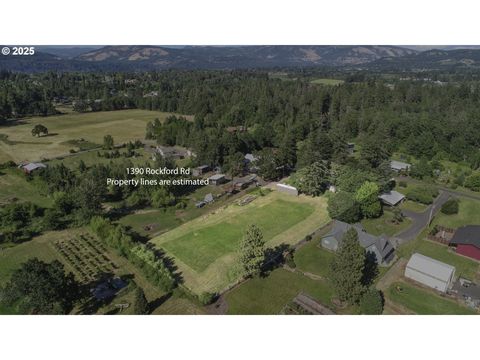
x: 378, y: 246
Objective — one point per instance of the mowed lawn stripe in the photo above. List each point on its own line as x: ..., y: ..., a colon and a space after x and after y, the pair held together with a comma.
x: 201, y: 247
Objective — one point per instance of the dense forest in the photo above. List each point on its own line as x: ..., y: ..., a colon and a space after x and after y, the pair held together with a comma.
x: 247, y: 111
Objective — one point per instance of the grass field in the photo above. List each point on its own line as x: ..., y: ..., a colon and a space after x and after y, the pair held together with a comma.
x: 14, y: 185
x: 384, y: 225
x: 205, y: 248
x: 413, y: 206
x: 331, y: 82
x: 468, y: 214
x: 158, y: 220
x: 266, y: 296
x: 423, y: 301
x: 18, y: 144
x: 314, y: 259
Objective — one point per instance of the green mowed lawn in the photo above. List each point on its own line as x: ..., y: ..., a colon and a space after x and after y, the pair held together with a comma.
x: 265, y: 296
x: 413, y: 206
x: 314, y: 259
x: 384, y: 225
x: 205, y: 248
x: 201, y: 247
x: 18, y: 144
x: 423, y: 301
x: 468, y: 214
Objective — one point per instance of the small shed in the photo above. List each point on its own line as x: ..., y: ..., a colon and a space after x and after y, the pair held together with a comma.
x: 392, y: 198
x: 430, y: 272
x: 208, y: 198
x: 287, y: 189
x: 200, y: 170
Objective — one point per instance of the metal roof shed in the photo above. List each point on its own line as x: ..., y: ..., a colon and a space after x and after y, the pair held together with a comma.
x: 430, y: 272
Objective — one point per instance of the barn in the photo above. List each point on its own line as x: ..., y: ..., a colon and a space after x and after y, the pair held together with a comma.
x: 430, y: 272
x: 466, y: 241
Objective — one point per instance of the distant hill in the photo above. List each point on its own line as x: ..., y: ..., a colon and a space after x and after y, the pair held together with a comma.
x: 66, y: 52
x: 432, y: 60
x: 140, y: 58
x: 244, y: 56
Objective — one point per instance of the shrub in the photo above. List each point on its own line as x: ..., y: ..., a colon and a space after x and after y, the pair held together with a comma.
x: 473, y: 182
x: 207, y: 298
x: 450, y: 207
x: 423, y: 194
x: 290, y: 261
x: 371, y: 303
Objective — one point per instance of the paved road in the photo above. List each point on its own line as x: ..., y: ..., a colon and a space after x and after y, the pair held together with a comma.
x: 422, y: 220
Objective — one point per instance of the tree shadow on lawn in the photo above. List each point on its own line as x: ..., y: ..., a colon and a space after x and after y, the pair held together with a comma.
x: 152, y: 305
x: 168, y: 261
x: 274, y: 258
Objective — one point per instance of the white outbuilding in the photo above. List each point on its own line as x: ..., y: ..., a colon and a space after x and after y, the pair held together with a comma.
x: 430, y: 272
x: 287, y: 189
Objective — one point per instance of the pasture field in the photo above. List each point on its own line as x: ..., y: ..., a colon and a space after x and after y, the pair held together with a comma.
x: 13, y: 185
x: 205, y: 248
x: 18, y: 144
x: 423, y: 301
x: 330, y: 82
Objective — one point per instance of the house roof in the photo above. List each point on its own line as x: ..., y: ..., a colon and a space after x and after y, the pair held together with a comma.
x: 366, y: 240
x: 34, y: 166
x: 216, y: 177
x: 431, y: 267
x: 251, y: 157
x: 399, y: 165
x: 469, y: 235
x: 392, y: 197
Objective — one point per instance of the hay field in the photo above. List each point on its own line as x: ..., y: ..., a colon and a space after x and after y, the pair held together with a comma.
x: 18, y: 144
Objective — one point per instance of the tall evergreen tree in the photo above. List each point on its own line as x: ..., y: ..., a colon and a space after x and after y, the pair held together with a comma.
x: 140, y: 306
x: 252, y: 251
x: 347, y: 268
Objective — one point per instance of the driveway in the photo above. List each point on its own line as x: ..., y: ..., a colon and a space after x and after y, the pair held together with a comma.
x: 421, y: 220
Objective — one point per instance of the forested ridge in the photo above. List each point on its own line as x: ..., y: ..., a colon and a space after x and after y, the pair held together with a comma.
x: 420, y: 118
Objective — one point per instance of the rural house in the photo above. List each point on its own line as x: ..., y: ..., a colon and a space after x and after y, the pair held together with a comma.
x: 399, y: 166
x: 30, y: 167
x: 466, y: 241
x: 392, y: 198
x: 217, y: 179
x: 378, y: 246
x: 430, y: 272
